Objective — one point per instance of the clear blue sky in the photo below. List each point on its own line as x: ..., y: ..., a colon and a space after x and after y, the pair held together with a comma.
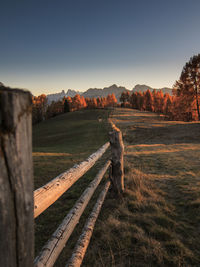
x: 49, y: 45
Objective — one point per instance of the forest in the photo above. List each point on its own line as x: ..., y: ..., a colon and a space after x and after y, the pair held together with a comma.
x: 42, y: 111
x: 183, y: 105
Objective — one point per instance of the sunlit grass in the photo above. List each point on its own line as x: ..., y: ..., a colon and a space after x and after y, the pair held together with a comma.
x: 157, y: 221
x: 42, y: 154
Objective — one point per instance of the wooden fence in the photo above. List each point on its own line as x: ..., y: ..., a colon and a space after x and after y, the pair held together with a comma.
x: 20, y: 205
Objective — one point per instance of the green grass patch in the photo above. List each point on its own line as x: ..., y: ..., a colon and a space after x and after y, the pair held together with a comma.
x: 156, y: 223
x: 58, y: 144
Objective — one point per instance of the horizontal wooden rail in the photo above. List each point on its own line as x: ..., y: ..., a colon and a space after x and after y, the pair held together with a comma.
x: 84, y: 240
x: 54, y: 246
x: 49, y: 193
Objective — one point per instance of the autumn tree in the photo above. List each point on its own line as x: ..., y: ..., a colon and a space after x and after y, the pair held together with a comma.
x: 160, y: 97
x: 167, y: 104
x: 125, y: 97
x: 112, y: 100
x: 103, y: 102
x: 57, y: 107
x: 99, y: 102
x: 133, y: 100
x: 83, y: 102
x: 39, y: 108
x: 76, y: 102
x: 66, y: 106
x: 158, y: 100
x: 87, y: 99
x: 93, y: 103
x: 148, y: 101
x: 186, y: 89
x: 140, y: 101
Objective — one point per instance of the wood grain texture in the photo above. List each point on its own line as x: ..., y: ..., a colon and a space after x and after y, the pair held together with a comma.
x: 117, y: 152
x: 49, y: 193
x: 16, y: 179
x: 84, y: 240
x: 54, y: 246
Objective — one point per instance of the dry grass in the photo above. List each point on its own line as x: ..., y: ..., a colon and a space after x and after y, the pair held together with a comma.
x: 157, y: 223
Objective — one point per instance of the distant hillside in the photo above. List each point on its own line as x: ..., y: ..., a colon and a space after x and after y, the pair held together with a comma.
x: 72, y: 93
x: 142, y: 88
x: 98, y: 92
x: 55, y: 97
x: 94, y: 92
x: 58, y: 96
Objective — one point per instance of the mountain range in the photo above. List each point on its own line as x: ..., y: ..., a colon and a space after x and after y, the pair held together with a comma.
x: 142, y: 88
x: 98, y: 92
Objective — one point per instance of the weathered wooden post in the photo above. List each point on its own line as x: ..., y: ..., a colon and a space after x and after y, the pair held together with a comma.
x: 16, y: 179
x: 117, y: 152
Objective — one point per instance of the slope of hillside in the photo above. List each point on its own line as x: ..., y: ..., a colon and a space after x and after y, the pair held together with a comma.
x: 156, y: 223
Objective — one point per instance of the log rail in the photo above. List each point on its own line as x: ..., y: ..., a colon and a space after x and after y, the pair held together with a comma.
x: 84, y: 239
x: 49, y: 193
x: 20, y: 205
x: 56, y: 243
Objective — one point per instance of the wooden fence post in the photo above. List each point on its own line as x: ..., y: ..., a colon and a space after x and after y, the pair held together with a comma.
x: 16, y: 179
x: 117, y: 152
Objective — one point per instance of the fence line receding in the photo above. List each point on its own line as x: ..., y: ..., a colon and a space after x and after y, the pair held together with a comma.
x: 19, y: 207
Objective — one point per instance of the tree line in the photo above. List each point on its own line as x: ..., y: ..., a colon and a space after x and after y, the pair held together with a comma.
x: 148, y: 101
x: 182, y: 105
x: 41, y: 110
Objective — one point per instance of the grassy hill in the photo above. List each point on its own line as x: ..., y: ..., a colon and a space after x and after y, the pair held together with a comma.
x: 156, y: 223
x: 58, y: 144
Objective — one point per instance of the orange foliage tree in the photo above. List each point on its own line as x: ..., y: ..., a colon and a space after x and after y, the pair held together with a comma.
x: 43, y: 111
x: 125, y: 98
x: 39, y: 108
x: 167, y: 104
x: 111, y: 100
x: 186, y: 91
x: 150, y: 101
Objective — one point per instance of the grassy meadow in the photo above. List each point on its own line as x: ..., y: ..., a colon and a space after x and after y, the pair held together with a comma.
x: 157, y: 221
x: 58, y: 144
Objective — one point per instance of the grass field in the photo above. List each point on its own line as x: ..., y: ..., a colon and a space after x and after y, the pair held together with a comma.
x: 58, y: 144
x: 157, y: 222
